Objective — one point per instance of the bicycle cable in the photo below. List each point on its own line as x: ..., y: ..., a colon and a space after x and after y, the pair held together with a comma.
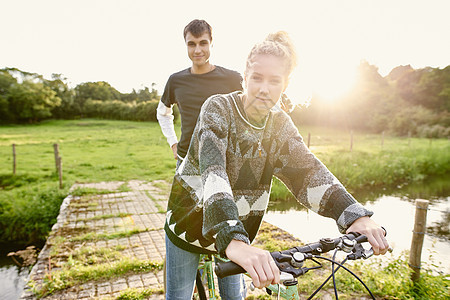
x: 333, y: 272
x: 346, y: 269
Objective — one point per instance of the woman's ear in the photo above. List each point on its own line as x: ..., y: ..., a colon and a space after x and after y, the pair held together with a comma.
x: 286, y: 84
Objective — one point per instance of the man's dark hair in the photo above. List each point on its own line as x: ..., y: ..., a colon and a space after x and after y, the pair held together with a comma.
x: 197, y: 28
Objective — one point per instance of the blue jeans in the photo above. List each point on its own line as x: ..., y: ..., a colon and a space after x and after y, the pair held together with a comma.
x: 181, y: 269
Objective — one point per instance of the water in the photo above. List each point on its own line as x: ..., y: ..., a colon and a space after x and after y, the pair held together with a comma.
x: 394, y: 210
x: 12, y: 277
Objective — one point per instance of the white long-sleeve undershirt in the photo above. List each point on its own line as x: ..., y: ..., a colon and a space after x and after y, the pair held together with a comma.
x: 165, y: 117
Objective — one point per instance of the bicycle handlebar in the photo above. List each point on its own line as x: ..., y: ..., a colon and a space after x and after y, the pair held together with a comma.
x: 290, y: 262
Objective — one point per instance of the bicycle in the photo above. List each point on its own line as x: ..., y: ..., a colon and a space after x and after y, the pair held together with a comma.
x: 291, y: 264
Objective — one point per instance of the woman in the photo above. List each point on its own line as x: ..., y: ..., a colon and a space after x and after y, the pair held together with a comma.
x: 221, y: 190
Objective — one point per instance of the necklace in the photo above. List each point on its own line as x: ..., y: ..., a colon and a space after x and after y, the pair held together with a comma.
x: 250, y: 124
x: 259, y: 144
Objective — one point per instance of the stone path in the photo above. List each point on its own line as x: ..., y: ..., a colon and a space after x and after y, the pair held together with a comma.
x: 100, y: 230
x: 112, y: 223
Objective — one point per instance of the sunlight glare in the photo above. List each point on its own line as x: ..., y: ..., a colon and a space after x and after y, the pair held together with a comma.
x: 334, y: 83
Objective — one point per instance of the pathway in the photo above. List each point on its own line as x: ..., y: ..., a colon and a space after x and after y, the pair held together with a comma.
x: 107, y: 243
x: 95, y: 232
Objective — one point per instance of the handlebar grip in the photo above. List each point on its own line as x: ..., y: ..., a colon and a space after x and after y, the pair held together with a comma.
x: 227, y: 268
x: 361, y: 238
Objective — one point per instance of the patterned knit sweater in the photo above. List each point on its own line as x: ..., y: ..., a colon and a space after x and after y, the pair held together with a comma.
x: 221, y: 190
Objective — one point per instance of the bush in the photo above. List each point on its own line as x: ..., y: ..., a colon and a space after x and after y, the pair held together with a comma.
x: 433, y: 131
x: 119, y: 110
x: 27, y: 215
x: 408, y: 120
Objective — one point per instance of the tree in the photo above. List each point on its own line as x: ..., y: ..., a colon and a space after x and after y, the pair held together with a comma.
x: 141, y: 95
x: 59, y: 85
x: 370, y: 102
x: 6, y: 81
x: 99, y: 90
x: 31, y: 101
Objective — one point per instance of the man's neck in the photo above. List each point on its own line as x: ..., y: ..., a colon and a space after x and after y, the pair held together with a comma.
x: 195, y: 69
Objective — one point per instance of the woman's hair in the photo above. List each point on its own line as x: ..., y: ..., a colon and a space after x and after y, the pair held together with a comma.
x: 278, y: 44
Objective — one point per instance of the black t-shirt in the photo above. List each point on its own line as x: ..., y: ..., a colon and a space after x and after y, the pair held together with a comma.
x: 189, y: 91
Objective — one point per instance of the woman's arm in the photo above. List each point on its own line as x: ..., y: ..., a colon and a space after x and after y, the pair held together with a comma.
x: 312, y: 183
x: 220, y: 214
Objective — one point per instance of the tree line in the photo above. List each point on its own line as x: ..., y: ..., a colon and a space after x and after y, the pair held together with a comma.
x: 406, y: 102
x: 29, y: 97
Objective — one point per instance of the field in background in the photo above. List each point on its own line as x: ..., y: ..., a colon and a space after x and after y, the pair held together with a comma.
x: 91, y: 150
x: 103, y: 150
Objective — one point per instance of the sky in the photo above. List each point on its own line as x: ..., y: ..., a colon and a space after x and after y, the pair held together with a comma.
x: 134, y: 43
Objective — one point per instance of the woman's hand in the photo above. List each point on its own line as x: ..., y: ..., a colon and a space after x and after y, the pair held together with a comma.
x: 258, y: 263
x: 374, y: 233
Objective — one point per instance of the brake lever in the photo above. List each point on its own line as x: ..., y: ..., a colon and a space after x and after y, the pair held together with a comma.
x: 284, y: 277
x: 359, y: 252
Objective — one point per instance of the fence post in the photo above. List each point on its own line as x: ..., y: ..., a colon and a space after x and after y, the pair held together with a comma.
x: 382, y: 139
x: 351, y: 140
x: 56, y: 151
x: 309, y: 138
x: 14, y: 158
x: 420, y: 225
x: 60, y: 172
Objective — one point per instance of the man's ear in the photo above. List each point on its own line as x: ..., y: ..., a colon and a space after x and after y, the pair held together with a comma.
x: 245, y: 80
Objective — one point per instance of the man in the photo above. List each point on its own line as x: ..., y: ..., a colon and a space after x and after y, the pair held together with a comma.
x: 190, y: 87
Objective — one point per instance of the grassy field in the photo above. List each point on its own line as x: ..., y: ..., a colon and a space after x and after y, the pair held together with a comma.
x: 102, y: 150
x: 91, y: 151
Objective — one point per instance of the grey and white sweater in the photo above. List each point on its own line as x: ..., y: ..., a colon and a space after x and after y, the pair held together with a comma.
x: 221, y: 190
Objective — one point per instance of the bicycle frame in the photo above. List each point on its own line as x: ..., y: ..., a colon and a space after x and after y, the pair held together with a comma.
x: 287, y: 292
x: 208, y: 274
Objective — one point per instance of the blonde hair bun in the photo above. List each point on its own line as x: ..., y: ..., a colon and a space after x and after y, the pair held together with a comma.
x: 279, y: 44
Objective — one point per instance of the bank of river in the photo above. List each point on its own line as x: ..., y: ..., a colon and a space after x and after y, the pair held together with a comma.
x: 394, y: 209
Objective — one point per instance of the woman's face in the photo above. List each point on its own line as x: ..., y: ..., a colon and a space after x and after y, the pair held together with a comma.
x: 265, y: 81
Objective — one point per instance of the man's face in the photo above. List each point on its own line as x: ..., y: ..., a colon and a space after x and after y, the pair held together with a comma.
x: 199, y: 48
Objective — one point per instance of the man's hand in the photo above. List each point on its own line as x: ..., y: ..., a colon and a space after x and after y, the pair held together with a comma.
x: 174, y: 150
x: 374, y: 233
x: 258, y: 263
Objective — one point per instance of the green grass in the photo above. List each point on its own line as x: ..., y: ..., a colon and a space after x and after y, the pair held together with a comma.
x: 71, y: 264
x: 370, y: 164
x: 99, y: 150
x: 386, y: 281
x: 75, y: 272
x: 91, y: 151
x: 90, y: 236
x: 107, y: 216
x: 386, y: 277
x: 102, y: 150
x: 138, y: 294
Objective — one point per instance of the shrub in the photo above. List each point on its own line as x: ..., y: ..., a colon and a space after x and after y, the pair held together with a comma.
x: 27, y: 215
x: 119, y: 110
